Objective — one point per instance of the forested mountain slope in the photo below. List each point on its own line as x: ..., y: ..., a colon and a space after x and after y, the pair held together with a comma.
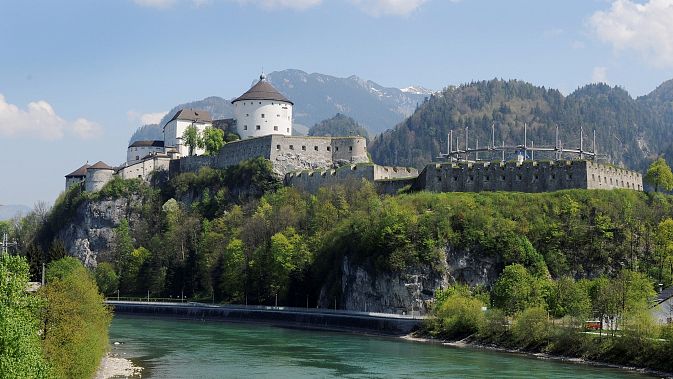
x: 629, y: 131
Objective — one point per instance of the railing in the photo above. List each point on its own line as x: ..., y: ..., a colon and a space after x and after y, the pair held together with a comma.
x: 415, y: 315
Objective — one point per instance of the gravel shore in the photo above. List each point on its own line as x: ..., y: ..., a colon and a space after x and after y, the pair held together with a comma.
x: 112, y: 366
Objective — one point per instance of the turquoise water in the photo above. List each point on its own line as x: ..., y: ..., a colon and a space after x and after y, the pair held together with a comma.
x: 193, y: 349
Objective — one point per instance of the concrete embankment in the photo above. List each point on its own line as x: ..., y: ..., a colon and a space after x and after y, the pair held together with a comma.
x: 376, y: 323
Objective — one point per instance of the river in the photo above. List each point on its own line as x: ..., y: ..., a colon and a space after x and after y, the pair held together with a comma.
x: 191, y: 349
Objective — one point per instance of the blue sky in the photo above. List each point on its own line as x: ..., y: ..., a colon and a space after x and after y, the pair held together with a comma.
x: 78, y: 77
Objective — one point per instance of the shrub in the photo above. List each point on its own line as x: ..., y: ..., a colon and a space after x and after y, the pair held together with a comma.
x: 531, y: 328
x: 75, y: 334
x: 459, y: 316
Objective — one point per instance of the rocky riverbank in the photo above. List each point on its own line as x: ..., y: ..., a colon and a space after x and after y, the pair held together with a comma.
x: 113, y: 366
x: 466, y: 343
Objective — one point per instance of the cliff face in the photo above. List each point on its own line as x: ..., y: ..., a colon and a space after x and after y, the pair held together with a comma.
x: 411, y: 290
x: 90, y: 235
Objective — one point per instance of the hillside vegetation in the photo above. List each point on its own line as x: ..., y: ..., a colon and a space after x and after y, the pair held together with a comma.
x: 338, y: 126
x: 199, y: 236
x: 630, y: 131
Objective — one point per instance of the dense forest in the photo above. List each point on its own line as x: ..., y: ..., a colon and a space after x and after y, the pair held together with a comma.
x: 338, y: 126
x: 200, y: 236
x: 629, y: 131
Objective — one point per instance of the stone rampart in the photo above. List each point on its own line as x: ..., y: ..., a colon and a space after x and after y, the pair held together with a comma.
x: 286, y: 153
x: 528, y: 176
x: 395, y: 178
x: 603, y: 176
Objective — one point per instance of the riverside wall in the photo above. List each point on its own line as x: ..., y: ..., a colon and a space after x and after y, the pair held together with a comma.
x: 278, y: 316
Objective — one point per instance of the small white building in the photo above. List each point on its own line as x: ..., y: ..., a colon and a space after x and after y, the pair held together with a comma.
x: 175, y: 129
x: 262, y: 111
x: 141, y: 149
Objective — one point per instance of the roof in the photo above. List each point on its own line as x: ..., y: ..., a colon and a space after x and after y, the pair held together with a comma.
x: 664, y: 295
x: 156, y: 143
x: 192, y: 115
x: 79, y: 172
x: 100, y: 165
x: 263, y: 90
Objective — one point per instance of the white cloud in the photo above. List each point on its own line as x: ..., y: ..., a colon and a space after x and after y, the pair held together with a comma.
x: 275, y: 4
x: 646, y: 28
x: 41, y: 121
x: 159, y: 4
x: 145, y: 118
x: 599, y: 75
x: 388, y: 7
x: 577, y: 45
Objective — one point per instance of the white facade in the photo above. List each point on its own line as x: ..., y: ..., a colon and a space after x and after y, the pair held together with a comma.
x: 173, y: 132
x: 257, y: 118
x: 135, y: 154
x: 96, y: 179
x: 144, y: 168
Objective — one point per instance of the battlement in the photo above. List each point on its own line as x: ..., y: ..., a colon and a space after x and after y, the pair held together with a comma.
x: 388, y: 178
x: 527, y: 176
x: 286, y: 153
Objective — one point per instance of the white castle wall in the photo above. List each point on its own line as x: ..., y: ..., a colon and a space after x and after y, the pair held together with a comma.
x: 257, y: 118
x: 97, y: 178
x: 144, y: 168
x: 136, y: 153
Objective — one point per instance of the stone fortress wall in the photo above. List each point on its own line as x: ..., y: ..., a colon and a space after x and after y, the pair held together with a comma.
x: 286, y: 153
x: 527, y: 176
x: 387, y: 179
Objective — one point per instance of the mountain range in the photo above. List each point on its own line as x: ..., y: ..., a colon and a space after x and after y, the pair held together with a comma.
x: 318, y: 97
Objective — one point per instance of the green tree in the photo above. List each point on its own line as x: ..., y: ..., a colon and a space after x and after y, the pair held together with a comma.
x: 76, y: 320
x: 192, y: 138
x: 458, y: 316
x: 531, y: 327
x: 213, y: 140
x: 106, y: 278
x: 516, y: 289
x: 20, y: 350
x: 659, y: 175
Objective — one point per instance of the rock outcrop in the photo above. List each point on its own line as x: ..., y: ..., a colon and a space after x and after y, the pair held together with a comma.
x: 411, y: 290
x: 90, y: 235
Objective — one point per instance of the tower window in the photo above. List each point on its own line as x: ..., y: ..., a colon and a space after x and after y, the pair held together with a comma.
x: 277, y: 115
x: 303, y: 148
x: 291, y: 147
x: 350, y: 148
x: 277, y: 147
x: 315, y: 148
x: 258, y: 127
x: 245, y: 127
x: 328, y: 148
x: 275, y: 127
x: 288, y: 130
x: 262, y: 115
x: 336, y: 148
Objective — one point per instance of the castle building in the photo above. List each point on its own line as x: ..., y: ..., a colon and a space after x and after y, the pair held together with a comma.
x: 138, y: 150
x: 97, y: 176
x: 262, y: 111
x: 76, y: 177
x: 175, y: 129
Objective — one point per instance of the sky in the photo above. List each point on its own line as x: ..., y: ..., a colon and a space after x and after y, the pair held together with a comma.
x: 77, y: 78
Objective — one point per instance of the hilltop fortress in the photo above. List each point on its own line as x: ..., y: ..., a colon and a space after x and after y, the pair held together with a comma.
x: 263, y: 120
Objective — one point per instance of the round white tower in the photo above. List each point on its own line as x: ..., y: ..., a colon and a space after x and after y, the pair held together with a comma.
x: 262, y: 111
